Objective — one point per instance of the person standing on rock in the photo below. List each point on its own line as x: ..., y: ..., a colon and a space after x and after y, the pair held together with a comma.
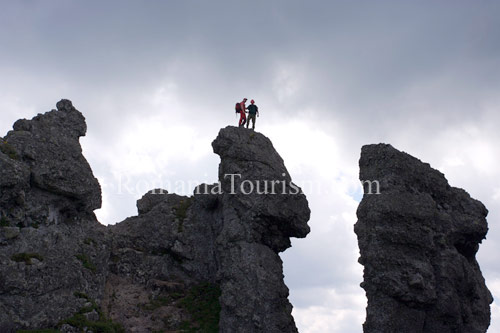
x: 252, y: 111
x: 243, y: 117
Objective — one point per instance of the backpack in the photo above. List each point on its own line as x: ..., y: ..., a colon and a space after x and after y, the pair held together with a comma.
x: 238, y: 107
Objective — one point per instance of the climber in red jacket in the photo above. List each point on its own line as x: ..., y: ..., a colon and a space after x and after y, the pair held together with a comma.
x: 243, y: 117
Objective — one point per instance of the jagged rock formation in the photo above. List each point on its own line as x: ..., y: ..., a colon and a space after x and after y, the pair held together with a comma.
x: 217, y: 249
x: 418, y: 239
x: 47, y: 198
x: 47, y: 176
x: 256, y: 227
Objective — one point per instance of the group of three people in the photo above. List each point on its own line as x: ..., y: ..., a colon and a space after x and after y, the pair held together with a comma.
x: 253, y: 111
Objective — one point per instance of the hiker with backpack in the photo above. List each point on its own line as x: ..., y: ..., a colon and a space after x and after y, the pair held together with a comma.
x: 252, y: 111
x: 240, y: 108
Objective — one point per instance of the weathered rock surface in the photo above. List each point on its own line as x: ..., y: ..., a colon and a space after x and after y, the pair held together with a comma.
x: 50, y: 161
x: 418, y: 239
x: 47, y: 225
x: 255, y: 228
x: 217, y: 249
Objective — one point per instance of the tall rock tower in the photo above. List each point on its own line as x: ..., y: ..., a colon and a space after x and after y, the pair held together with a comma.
x: 418, y: 240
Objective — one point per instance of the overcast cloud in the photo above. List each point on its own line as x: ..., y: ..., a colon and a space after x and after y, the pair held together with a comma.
x: 156, y: 80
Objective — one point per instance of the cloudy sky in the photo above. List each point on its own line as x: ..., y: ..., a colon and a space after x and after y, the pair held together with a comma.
x: 156, y: 80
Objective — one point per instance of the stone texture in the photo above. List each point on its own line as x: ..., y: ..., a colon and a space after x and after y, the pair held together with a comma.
x: 48, y: 180
x: 55, y: 257
x: 418, y: 239
x: 47, y: 197
x: 256, y: 227
x: 223, y: 237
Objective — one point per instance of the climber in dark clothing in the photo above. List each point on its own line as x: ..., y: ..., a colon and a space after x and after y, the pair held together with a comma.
x: 252, y: 111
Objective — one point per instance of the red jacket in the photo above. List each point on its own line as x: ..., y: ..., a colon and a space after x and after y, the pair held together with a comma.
x: 242, y: 108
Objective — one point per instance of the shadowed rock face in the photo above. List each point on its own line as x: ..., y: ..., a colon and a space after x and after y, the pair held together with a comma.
x: 418, y: 239
x: 255, y: 228
x: 47, y: 197
x: 142, y: 271
x: 45, y: 172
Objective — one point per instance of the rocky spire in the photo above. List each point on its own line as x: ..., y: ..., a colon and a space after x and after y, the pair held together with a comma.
x: 418, y: 240
x: 45, y: 178
x: 51, y: 244
x: 255, y: 228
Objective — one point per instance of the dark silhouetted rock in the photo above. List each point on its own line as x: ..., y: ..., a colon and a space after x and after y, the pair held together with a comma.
x: 254, y: 229
x: 418, y: 239
x: 216, y: 251
x: 51, y: 245
x: 50, y: 179
x: 220, y: 235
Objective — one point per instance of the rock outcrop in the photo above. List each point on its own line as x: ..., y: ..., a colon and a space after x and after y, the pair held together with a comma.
x: 215, y: 252
x: 47, y: 197
x: 256, y: 227
x: 418, y: 239
x: 47, y: 177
